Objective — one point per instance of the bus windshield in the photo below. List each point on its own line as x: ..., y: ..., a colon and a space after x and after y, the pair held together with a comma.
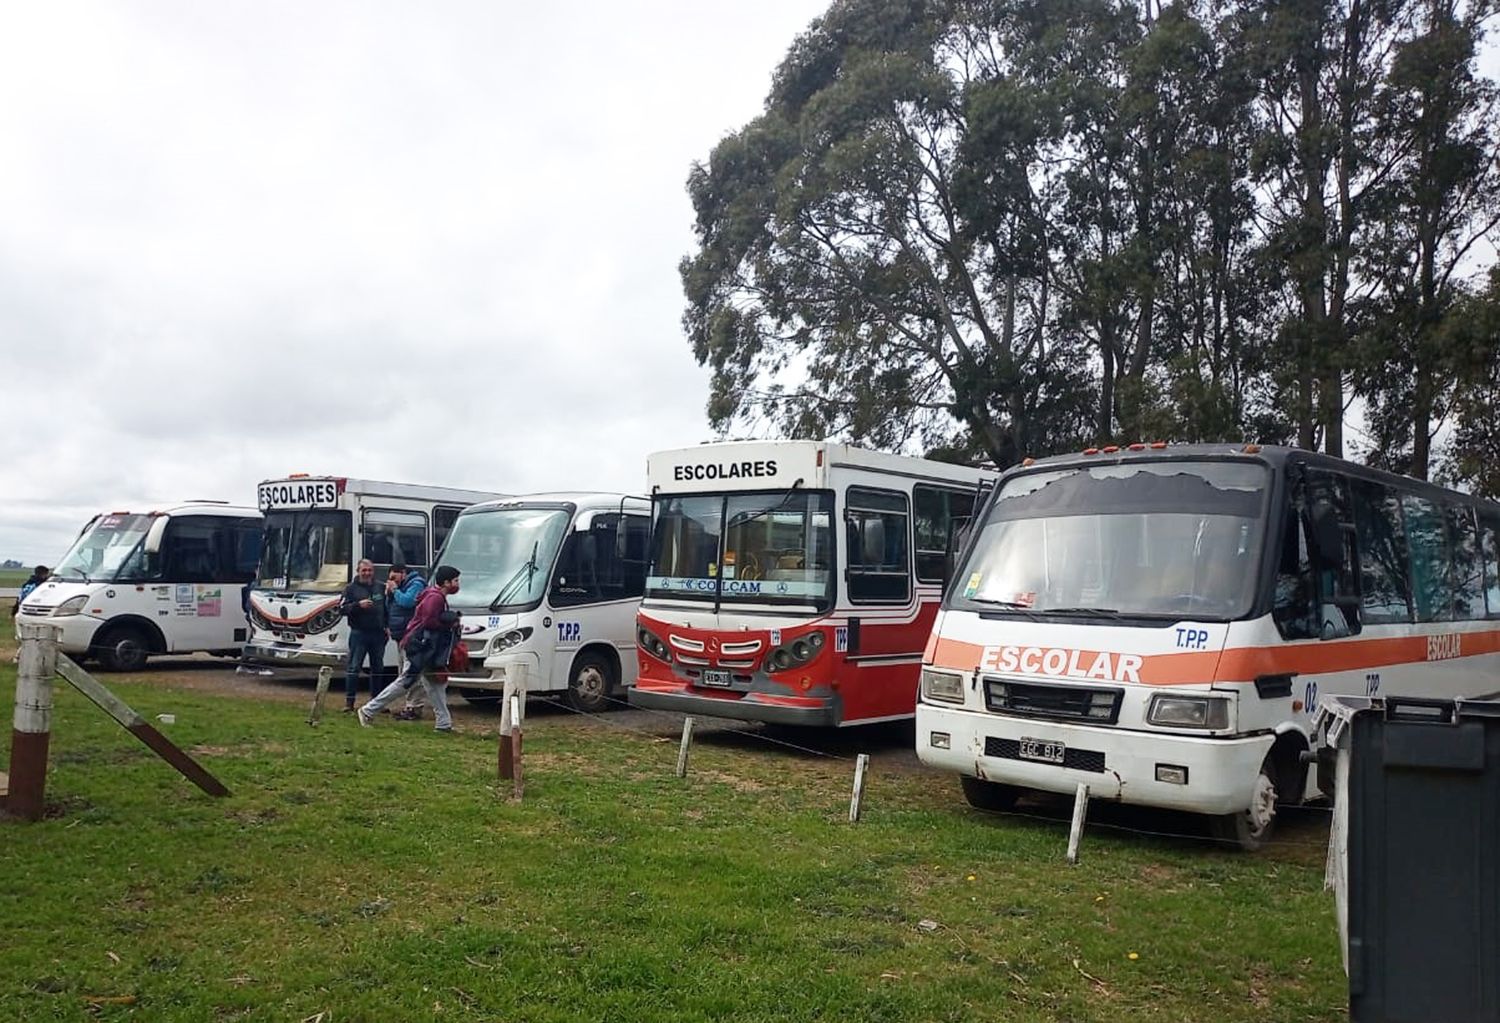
x: 103, y: 550
x: 505, y: 555
x: 760, y: 548
x: 1160, y: 539
x: 305, y: 550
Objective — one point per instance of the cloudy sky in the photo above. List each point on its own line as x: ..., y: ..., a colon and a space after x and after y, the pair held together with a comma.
x: 423, y: 242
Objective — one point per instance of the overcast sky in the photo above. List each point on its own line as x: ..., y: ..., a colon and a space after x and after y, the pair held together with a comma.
x: 428, y: 242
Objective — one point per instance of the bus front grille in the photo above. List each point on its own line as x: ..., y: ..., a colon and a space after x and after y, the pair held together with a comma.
x: 1059, y: 702
x: 1073, y: 759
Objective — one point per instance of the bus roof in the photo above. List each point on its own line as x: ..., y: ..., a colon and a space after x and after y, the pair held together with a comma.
x: 195, y: 507
x: 582, y: 500
x: 1275, y: 456
x: 382, y: 488
x: 770, y: 464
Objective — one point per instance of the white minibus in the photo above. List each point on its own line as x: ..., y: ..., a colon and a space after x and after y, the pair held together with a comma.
x: 550, y: 584
x: 169, y: 581
x: 1160, y: 622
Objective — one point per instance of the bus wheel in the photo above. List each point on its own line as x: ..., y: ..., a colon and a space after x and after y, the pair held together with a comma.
x: 1250, y: 829
x: 988, y: 795
x: 123, y: 648
x: 591, y: 683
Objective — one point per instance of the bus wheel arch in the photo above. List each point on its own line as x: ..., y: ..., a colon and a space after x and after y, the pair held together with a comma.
x: 123, y: 643
x: 1291, y: 769
x: 594, y: 678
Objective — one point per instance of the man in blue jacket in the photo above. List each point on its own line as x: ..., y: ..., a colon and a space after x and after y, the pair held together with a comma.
x: 403, y: 587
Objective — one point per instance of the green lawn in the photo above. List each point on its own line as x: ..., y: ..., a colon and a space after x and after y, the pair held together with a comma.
x: 375, y: 875
x: 12, y: 578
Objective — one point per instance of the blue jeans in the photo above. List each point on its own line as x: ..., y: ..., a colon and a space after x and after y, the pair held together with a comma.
x: 364, y: 644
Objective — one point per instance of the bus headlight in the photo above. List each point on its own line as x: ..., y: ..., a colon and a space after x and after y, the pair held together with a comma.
x: 515, y: 637
x: 942, y: 687
x: 1207, y: 712
x: 652, y: 644
x: 794, y: 653
x: 71, y: 606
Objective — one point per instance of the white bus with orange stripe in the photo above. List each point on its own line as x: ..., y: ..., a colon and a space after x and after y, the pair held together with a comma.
x: 759, y: 606
x: 317, y: 528
x: 1159, y: 623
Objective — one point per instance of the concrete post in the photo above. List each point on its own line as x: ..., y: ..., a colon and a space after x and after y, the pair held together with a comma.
x: 31, y: 734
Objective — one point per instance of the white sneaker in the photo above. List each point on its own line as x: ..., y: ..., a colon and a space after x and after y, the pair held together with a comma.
x: 364, y: 718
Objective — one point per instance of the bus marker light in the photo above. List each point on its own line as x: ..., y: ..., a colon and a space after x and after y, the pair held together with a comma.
x: 1025, y: 462
x: 1296, y: 705
x: 1158, y: 445
x: 1110, y: 449
x: 1171, y: 774
x: 1137, y: 447
x: 942, y: 740
x: 1252, y: 449
x: 806, y: 683
x: 1090, y: 451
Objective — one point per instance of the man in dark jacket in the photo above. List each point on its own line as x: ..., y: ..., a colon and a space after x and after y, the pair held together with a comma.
x: 39, y: 576
x: 402, y: 590
x: 428, y: 641
x: 364, y: 607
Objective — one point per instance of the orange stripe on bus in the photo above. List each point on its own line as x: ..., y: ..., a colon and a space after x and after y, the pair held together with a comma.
x: 1244, y: 664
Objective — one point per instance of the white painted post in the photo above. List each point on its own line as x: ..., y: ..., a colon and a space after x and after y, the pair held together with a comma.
x: 682, y: 751
x: 860, y: 764
x: 512, y: 706
x: 515, y: 746
x: 325, y: 675
x: 1080, y: 813
x: 31, y: 733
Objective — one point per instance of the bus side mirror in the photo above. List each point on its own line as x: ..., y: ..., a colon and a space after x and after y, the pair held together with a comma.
x: 152, y: 543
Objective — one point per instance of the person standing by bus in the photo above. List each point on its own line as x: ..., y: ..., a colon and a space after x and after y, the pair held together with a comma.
x: 428, y: 643
x: 364, y: 607
x: 38, y: 576
x: 403, y: 587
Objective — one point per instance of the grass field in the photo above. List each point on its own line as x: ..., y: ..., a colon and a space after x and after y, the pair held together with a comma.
x: 12, y: 578
x: 376, y: 875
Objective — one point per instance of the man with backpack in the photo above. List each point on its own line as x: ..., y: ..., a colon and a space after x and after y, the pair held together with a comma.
x: 37, y: 577
x: 427, y: 644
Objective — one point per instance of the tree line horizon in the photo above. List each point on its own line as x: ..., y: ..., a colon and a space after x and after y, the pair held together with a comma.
x: 1008, y: 228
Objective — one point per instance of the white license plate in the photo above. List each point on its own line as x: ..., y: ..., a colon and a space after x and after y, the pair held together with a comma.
x: 716, y: 677
x: 1043, y: 750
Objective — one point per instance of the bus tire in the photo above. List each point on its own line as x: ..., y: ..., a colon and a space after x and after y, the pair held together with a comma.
x: 988, y: 795
x: 1250, y: 829
x: 123, y: 648
x: 591, y: 682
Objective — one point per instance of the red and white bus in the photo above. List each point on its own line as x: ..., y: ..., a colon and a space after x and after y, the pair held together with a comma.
x: 1160, y: 622
x: 760, y: 606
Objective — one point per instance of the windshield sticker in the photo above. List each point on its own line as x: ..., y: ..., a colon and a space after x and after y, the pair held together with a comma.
x: 1026, y: 599
x: 972, y: 586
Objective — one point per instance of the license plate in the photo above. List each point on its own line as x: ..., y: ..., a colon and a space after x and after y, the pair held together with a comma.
x: 716, y: 677
x: 1042, y: 749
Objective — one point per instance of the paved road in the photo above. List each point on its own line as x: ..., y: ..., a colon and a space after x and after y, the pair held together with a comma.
x: 9, y: 593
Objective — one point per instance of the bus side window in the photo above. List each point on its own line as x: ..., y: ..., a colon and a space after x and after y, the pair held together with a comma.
x: 1334, y: 546
x: 935, y: 513
x: 442, y: 524
x: 395, y: 536
x: 879, y: 565
x: 1428, y: 548
x: 1382, y: 553
x: 1467, y: 568
x: 633, y: 558
x: 1292, y: 606
x: 1489, y: 540
x: 190, y: 549
x: 242, y: 556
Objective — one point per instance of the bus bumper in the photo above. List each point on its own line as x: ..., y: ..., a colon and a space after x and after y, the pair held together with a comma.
x: 1120, y: 764
x: 75, y: 633
x: 524, y: 668
x: 809, y: 711
x: 271, y: 652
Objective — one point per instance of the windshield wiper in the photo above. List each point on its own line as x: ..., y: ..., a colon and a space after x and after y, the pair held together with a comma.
x: 1007, y: 605
x: 81, y: 573
x: 1092, y: 612
x: 525, y: 572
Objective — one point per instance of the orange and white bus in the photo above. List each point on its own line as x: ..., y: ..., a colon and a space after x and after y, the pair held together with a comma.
x: 1159, y: 623
x: 758, y: 606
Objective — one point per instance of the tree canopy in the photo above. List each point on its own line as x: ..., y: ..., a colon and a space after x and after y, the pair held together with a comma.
x: 1009, y: 227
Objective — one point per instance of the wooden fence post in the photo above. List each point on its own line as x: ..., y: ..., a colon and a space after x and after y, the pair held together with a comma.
x: 860, y: 765
x: 1080, y: 814
x: 682, y: 751
x: 31, y: 733
x: 325, y: 675
x: 515, y: 685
